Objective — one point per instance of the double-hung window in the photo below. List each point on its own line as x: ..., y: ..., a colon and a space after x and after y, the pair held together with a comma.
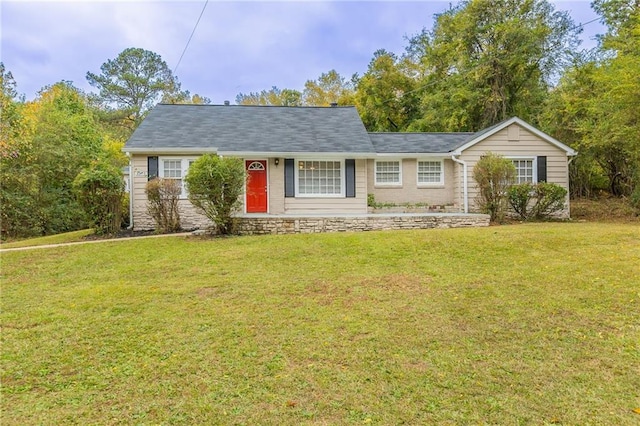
x: 430, y: 172
x: 388, y: 173
x: 524, y: 170
x: 175, y: 168
x: 320, y: 178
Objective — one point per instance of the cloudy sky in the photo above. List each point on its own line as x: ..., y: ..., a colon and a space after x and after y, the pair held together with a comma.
x: 238, y: 46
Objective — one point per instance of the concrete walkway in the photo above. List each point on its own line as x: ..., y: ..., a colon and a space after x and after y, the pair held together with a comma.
x: 107, y: 240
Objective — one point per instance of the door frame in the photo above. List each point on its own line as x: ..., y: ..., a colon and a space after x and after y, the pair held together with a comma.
x: 266, y: 161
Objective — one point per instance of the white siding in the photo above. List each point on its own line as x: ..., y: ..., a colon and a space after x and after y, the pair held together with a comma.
x: 331, y: 205
x: 528, y: 145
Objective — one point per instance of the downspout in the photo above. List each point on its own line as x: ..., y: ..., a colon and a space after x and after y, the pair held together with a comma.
x: 573, y: 157
x: 130, y: 192
x: 465, y: 186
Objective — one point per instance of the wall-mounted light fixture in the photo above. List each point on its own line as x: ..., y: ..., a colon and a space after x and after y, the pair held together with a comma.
x: 276, y: 161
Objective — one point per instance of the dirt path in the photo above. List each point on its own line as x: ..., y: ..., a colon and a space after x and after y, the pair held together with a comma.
x: 109, y: 240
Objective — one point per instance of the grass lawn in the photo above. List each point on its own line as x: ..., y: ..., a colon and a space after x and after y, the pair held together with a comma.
x: 524, y: 324
x: 67, y: 237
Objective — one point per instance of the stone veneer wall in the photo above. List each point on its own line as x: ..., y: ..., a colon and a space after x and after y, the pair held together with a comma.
x: 306, y: 225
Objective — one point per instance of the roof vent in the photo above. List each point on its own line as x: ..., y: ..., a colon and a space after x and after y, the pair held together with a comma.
x: 226, y: 103
x: 333, y: 104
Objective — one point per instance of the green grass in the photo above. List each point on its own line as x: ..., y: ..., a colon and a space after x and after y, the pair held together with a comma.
x: 67, y: 237
x: 528, y: 324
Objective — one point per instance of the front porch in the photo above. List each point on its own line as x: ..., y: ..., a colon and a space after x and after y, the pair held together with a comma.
x: 256, y: 224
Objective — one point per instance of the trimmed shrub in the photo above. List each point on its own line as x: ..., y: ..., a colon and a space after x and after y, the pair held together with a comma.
x: 99, y: 190
x: 537, y: 201
x: 550, y: 199
x: 162, y: 203
x: 215, y: 185
x: 520, y: 198
x: 494, y: 174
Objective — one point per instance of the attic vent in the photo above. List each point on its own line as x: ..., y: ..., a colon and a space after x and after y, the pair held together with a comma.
x: 333, y: 104
x: 226, y: 103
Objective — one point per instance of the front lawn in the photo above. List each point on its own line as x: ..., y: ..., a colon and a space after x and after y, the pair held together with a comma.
x: 525, y: 324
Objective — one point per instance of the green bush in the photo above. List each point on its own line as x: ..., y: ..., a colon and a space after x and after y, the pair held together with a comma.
x: 215, y: 185
x: 162, y: 205
x: 536, y: 201
x: 550, y: 199
x: 494, y: 174
x: 99, y: 190
x: 520, y: 198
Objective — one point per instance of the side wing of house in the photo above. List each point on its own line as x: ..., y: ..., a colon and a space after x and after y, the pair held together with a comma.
x: 412, y: 180
x: 536, y: 156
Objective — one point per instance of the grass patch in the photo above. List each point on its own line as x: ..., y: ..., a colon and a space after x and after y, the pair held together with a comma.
x: 67, y: 237
x: 526, y: 324
x: 604, y: 209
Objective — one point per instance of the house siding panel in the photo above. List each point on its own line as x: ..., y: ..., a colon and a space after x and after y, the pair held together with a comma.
x: 276, y: 187
x: 529, y: 145
x: 330, y: 205
x: 189, y: 217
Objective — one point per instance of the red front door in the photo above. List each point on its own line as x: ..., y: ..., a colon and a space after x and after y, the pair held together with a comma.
x: 256, y: 186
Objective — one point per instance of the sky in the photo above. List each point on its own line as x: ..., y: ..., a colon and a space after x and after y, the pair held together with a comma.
x: 237, y: 47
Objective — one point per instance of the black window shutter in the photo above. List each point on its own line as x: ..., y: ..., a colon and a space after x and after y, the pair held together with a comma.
x: 350, y: 174
x: 289, y: 178
x: 152, y: 168
x: 542, y: 169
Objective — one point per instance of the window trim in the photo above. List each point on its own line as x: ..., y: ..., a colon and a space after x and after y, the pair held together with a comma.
x: 429, y: 184
x: 342, y: 178
x: 184, y: 161
x: 375, y: 172
x: 534, y: 166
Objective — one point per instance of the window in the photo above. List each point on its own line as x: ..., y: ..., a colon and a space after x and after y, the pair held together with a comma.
x: 175, y: 168
x: 524, y: 170
x: 430, y: 173
x: 388, y: 173
x: 320, y: 178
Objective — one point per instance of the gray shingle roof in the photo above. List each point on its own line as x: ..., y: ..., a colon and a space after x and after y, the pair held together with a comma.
x: 234, y: 128
x: 401, y: 143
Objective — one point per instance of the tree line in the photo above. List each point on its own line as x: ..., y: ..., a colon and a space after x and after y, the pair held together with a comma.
x: 483, y: 61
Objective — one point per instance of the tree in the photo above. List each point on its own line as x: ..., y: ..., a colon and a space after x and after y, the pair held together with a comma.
x: 385, y: 95
x: 274, y: 96
x: 134, y: 81
x: 163, y: 196
x: 330, y: 87
x: 215, y: 185
x: 56, y: 137
x: 485, y: 61
x: 185, y: 97
x: 494, y: 175
x: 99, y: 189
x: 595, y: 107
x: 10, y: 115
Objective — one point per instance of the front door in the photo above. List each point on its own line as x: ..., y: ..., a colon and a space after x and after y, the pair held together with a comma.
x: 256, y: 186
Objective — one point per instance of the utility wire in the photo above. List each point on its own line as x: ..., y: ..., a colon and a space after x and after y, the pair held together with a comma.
x: 191, y: 36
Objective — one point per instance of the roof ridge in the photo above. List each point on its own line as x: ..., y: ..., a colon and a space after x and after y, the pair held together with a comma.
x: 421, y: 133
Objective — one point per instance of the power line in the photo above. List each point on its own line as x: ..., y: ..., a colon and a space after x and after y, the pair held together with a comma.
x: 191, y: 36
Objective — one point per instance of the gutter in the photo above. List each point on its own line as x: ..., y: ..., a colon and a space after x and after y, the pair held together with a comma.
x: 130, y: 191
x: 465, y: 185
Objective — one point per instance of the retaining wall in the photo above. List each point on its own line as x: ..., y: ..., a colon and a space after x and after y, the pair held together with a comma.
x: 294, y: 225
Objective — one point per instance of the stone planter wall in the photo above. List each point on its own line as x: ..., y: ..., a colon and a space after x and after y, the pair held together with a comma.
x: 305, y: 225
x: 420, y: 210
